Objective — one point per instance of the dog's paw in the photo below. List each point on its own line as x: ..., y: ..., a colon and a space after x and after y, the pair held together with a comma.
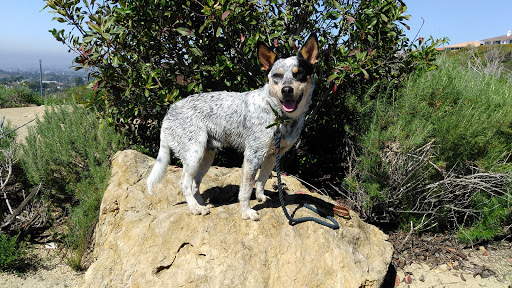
x: 200, y: 210
x: 262, y: 198
x: 251, y: 214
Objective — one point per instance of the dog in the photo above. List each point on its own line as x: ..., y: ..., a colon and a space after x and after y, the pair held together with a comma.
x: 196, y: 126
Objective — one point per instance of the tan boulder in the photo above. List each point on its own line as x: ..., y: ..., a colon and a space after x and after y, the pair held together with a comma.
x: 154, y: 241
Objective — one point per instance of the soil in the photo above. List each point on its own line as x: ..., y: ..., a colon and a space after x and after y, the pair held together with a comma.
x: 21, y: 116
x: 442, y: 261
x: 420, y: 261
x: 49, y: 270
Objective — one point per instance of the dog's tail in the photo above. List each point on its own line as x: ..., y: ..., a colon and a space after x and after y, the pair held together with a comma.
x: 158, y: 171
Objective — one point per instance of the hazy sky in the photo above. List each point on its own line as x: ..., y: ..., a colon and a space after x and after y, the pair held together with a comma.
x: 24, y: 36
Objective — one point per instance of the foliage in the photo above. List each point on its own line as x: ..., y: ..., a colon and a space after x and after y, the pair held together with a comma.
x: 149, y: 54
x: 445, y: 141
x: 69, y: 151
x: 13, y: 253
x: 79, y: 95
x: 17, y: 96
x: 485, y: 53
x: 63, y: 146
x: 13, y: 250
x: 85, y: 216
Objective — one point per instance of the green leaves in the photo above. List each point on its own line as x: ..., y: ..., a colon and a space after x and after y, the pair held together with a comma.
x: 184, y: 31
x: 137, y: 49
x: 95, y: 27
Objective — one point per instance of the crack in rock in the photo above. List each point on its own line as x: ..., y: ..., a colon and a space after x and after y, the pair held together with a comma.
x: 167, y: 267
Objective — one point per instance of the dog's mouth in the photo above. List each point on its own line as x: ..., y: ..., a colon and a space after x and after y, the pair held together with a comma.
x: 290, y: 105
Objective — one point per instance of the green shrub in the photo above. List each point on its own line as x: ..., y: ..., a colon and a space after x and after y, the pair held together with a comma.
x: 468, y: 114
x: 63, y: 147
x: 490, y: 223
x: 439, y: 151
x: 85, y: 216
x: 79, y: 95
x: 149, y: 54
x: 13, y: 253
x: 82, y: 94
x: 17, y: 97
x: 69, y: 151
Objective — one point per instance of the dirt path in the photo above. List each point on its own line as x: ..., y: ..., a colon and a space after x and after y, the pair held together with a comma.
x: 51, y: 271
x: 20, y: 116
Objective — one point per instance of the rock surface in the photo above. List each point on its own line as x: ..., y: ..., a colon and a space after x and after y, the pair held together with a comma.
x: 154, y: 241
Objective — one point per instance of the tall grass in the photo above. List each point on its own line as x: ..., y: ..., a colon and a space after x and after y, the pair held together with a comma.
x: 69, y: 151
x: 467, y: 115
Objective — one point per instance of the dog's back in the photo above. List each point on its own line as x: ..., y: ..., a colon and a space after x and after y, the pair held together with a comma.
x: 226, y: 119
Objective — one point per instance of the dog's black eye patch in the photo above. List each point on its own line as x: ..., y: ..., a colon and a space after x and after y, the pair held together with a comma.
x: 305, y: 69
x: 299, y: 74
x: 277, y: 76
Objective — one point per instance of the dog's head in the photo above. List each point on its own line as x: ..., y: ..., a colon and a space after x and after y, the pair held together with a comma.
x: 289, y: 78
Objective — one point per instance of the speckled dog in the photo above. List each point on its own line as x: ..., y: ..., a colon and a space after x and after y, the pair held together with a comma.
x: 200, y: 124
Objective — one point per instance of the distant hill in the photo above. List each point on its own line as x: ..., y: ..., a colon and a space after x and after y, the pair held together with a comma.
x: 504, y: 49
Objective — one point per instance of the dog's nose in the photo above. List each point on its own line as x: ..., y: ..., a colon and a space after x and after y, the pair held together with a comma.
x: 287, y: 91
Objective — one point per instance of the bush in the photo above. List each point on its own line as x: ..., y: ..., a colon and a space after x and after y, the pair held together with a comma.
x: 69, y: 151
x: 149, y: 54
x: 79, y: 95
x: 439, y: 152
x: 63, y: 147
x: 17, y: 97
x: 13, y: 253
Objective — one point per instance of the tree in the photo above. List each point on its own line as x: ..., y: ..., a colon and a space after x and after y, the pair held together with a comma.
x: 148, y: 54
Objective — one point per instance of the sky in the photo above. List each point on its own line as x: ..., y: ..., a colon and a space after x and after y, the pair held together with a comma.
x: 24, y: 36
x: 459, y: 20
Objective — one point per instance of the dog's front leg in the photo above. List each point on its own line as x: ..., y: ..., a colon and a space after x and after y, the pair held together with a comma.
x: 249, y: 169
x: 266, y: 168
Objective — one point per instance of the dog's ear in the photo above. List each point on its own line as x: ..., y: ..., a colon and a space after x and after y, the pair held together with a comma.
x: 266, y: 56
x: 310, y: 50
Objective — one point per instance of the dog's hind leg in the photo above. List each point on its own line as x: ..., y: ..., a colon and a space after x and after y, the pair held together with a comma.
x: 191, y: 167
x: 266, y: 168
x: 206, y: 162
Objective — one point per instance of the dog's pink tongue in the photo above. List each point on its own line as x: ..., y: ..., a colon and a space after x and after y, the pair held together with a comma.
x: 289, y: 105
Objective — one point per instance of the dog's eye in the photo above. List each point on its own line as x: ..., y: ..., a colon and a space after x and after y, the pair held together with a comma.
x: 277, y: 76
x: 299, y: 73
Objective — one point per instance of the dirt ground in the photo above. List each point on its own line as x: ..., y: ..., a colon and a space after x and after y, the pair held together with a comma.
x: 50, y: 271
x: 20, y: 116
x: 429, y: 261
x: 441, y: 261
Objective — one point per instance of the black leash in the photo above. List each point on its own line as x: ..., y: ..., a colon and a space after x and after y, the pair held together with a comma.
x: 293, y: 221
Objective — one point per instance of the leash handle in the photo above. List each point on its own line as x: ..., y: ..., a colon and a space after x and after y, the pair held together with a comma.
x: 334, y: 225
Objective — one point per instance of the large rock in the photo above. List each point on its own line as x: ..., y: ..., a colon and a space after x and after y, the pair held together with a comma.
x: 154, y: 241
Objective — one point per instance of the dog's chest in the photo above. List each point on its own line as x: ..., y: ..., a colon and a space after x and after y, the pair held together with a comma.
x: 290, y: 133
